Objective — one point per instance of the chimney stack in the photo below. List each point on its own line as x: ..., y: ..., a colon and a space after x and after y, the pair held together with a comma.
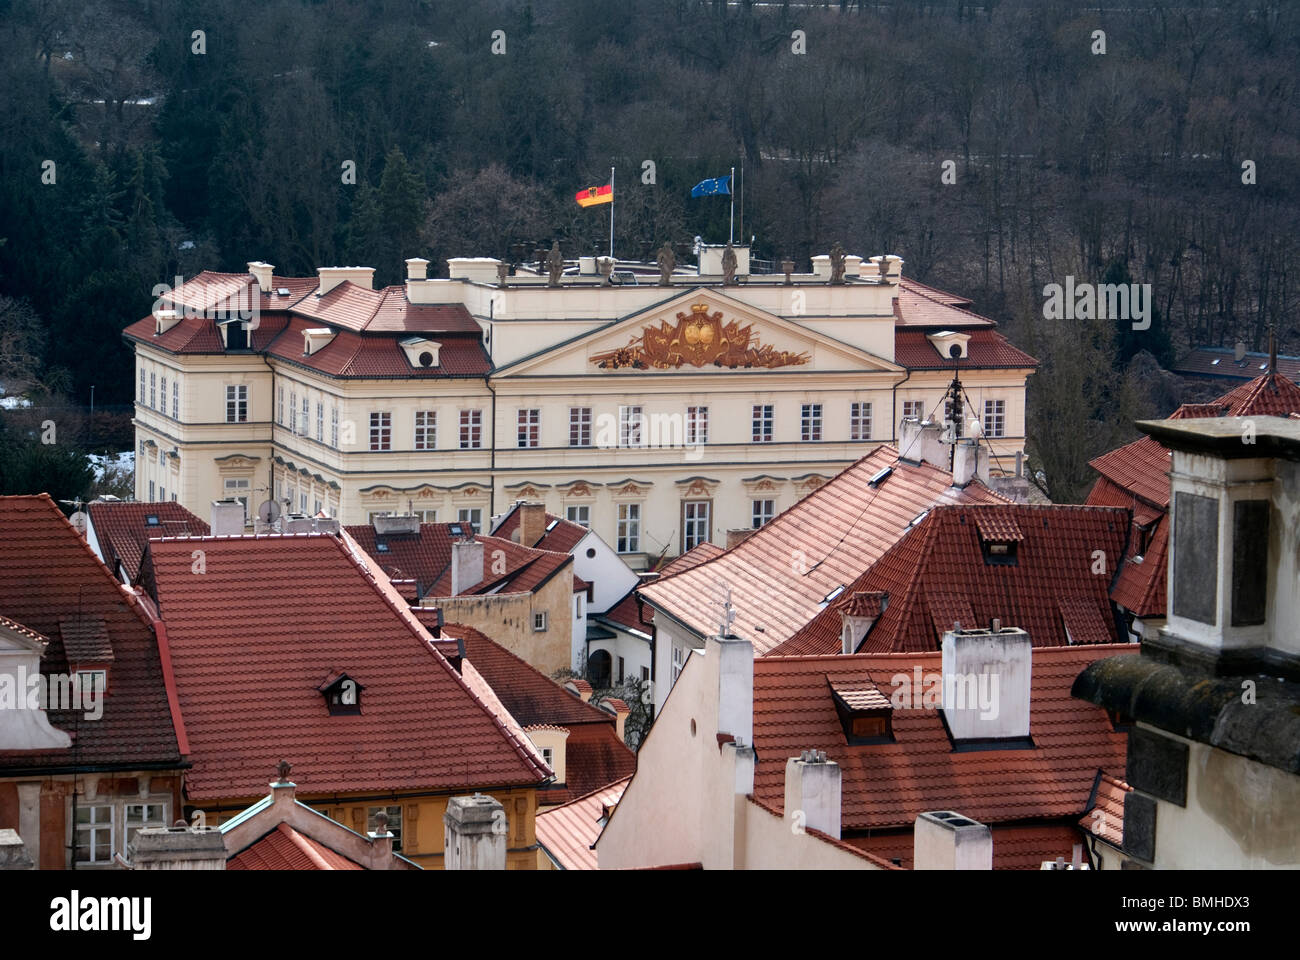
x: 812, y: 785
x: 262, y: 273
x: 986, y: 683
x: 735, y: 689
x: 922, y: 441
x: 227, y: 518
x: 331, y: 277
x: 178, y: 848
x: 474, y: 836
x: 467, y: 558
x: 381, y: 843
x: 970, y: 462
x: 417, y: 268
x: 532, y: 523
x: 945, y: 840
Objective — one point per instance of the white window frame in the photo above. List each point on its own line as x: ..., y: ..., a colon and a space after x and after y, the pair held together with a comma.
x: 995, y: 418
x: 529, y: 427
x: 93, y: 827
x: 631, y: 426
x: 153, y: 390
x: 334, y: 426
x: 306, y: 415
x: 471, y: 429
x: 697, y: 523
x: 320, y: 421
x: 279, y: 407
x: 697, y: 425
x: 381, y: 431
x: 142, y: 382
x: 539, y: 621
x: 176, y: 398
x: 426, y: 430
x: 763, y: 423
x: 860, y: 420
x: 580, y: 426
x: 147, y: 822
x: 293, y: 411
x: 582, y: 510
x: 913, y: 408
x: 810, y: 422
x: 629, y: 528
x: 762, y: 511
x: 471, y: 515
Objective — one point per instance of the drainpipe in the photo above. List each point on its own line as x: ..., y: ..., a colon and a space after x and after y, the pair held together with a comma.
x: 894, y: 430
x: 492, y: 455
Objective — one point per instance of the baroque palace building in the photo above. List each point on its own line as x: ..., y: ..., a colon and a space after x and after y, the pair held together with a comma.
x: 662, y: 411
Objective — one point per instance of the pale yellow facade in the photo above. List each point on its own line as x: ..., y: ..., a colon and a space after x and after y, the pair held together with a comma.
x: 687, y: 480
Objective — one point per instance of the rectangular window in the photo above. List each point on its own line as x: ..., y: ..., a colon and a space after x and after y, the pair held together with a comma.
x: 995, y: 418
x: 471, y: 515
x: 427, y: 516
x: 548, y: 756
x: 394, y: 825
x: 622, y: 669
x: 763, y: 421
x: 320, y: 421
x: 153, y: 391
x: 306, y: 415
x: 162, y: 394
x: 679, y: 660
x: 471, y: 429
x: 142, y: 378
x: 580, y: 426
x: 530, y: 426
x: 578, y: 514
x: 334, y: 427
x: 279, y: 407
x: 426, y: 430
x: 645, y: 674
x: 302, y: 502
x: 629, y: 528
x: 162, y: 493
x: 697, y: 425
x: 94, y: 833
x: 914, y: 409
x: 763, y: 511
x: 539, y: 621
x: 381, y: 431
x: 293, y: 412
x: 152, y: 490
x: 142, y: 815
x: 238, y: 488
x: 811, y: 422
x: 176, y: 398
x: 695, y: 523
x: 630, y: 420
x: 860, y: 421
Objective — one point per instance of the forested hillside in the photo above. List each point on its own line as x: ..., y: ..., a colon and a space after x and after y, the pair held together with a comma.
x: 144, y: 139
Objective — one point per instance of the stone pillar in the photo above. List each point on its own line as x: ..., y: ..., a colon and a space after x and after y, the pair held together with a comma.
x: 475, y: 834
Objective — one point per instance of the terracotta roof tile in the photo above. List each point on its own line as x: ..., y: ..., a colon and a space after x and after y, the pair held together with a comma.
x: 918, y: 305
x: 309, y: 606
x: 123, y: 528
x: 284, y: 848
x: 692, y: 558
x: 1105, y: 816
x: 568, y: 831
x: 85, y: 639
x: 1221, y: 362
x: 781, y: 574
x: 986, y: 350
x: 888, y: 785
x: 48, y: 574
x: 559, y: 534
x: 937, y: 575
x: 1015, y: 846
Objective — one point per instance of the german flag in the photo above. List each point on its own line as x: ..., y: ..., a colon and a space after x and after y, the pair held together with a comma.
x: 593, y: 196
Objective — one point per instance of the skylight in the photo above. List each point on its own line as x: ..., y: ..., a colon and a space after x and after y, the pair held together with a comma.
x: 151, y: 520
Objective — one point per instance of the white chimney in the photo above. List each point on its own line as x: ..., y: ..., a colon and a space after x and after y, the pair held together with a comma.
x: 262, y: 273
x: 986, y: 683
x: 473, y: 835
x: 945, y: 840
x: 417, y: 268
x: 473, y: 269
x: 736, y: 689
x: 227, y: 518
x: 331, y: 277
x: 812, y: 785
x: 922, y: 441
x: 178, y: 848
x: 970, y: 462
x: 466, y: 565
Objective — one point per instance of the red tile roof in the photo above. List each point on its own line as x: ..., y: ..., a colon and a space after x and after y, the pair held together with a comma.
x: 559, y: 534
x: 1105, y: 816
x: 568, y: 831
x: 888, y: 785
x: 594, y: 755
x: 309, y: 606
x: 284, y: 848
x: 986, y: 350
x: 123, y: 529
x: 425, y: 557
x: 1015, y: 846
x: 918, y: 305
x: 700, y: 553
x: 936, y: 575
x: 1137, y: 475
x: 50, y: 578
x: 1221, y: 362
x: 630, y: 614
x: 781, y: 574
x: 367, y: 355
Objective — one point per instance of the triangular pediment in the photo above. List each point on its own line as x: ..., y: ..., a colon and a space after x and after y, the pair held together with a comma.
x: 698, y: 331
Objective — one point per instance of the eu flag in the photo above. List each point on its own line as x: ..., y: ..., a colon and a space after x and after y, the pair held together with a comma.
x: 707, y: 188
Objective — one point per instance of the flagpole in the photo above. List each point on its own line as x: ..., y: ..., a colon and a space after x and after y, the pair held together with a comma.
x: 611, y: 213
x: 731, y: 189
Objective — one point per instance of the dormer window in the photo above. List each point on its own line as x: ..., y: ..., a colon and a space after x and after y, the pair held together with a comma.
x: 421, y: 351
x: 866, y: 714
x: 234, y: 333
x: 342, y: 694
x: 315, y: 338
x: 999, y: 538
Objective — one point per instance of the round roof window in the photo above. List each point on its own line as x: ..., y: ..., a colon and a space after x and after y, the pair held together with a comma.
x: 426, y: 359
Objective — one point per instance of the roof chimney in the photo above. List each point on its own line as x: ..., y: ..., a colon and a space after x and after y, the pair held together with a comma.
x: 986, y: 683
x: 945, y: 840
x: 812, y: 787
x: 178, y: 848
x: 227, y: 518
x: 970, y: 461
x: 620, y: 710
x: 473, y: 838
x: 262, y: 274
x: 532, y: 523
x: 922, y: 441
x: 381, y: 843
x: 736, y: 689
x: 467, y: 569
x: 331, y: 277
x: 417, y: 268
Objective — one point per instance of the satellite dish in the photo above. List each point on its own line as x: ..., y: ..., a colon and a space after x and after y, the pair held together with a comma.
x: 79, y: 521
x: 269, y: 511
x: 1239, y: 352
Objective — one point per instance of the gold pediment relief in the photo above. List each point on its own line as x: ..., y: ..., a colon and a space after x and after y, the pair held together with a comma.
x: 698, y: 339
